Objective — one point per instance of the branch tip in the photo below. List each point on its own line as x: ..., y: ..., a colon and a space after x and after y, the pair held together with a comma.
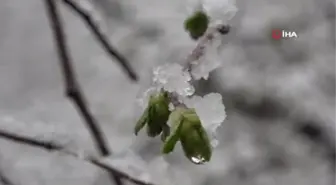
x: 102, y: 39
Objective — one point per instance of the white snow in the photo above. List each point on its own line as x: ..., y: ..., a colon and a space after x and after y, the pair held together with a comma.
x: 144, y: 96
x: 173, y: 78
x: 209, y: 61
x: 211, y: 112
x: 31, y: 64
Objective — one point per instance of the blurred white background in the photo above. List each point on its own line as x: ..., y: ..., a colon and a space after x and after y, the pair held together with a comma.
x: 279, y: 97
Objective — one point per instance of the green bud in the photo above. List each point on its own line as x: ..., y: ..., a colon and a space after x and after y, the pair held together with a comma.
x: 194, y: 139
x: 187, y: 129
x: 142, y: 121
x: 176, y: 119
x: 197, y: 24
x: 155, y: 116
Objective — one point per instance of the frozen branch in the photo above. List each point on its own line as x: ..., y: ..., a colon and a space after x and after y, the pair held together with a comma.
x: 90, y: 159
x: 209, y: 35
x: 73, y: 91
x: 197, y: 53
x: 112, y: 52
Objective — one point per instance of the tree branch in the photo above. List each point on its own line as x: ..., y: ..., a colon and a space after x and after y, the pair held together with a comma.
x: 35, y: 143
x: 90, y: 159
x: 4, y: 180
x: 73, y: 91
x: 197, y: 53
x: 101, y: 38
x: 120, y: 173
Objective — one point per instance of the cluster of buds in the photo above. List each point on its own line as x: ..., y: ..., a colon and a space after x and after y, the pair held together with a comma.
x: 182, y: 123
x: 155, y: 116
x: 186, y: 128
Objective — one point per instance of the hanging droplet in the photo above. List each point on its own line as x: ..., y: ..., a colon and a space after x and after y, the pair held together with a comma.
x: 198, y: 160
x: 189, y: 91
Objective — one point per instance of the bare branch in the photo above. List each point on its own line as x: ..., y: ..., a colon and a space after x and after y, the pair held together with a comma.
x: 4, y: 180
x: 73, y: 90
x: 71, y: 85
x: 35, y: 143
x: 120, y: 173
x: 47, y: 145
x: 90, y: 159
x: 102, y: 39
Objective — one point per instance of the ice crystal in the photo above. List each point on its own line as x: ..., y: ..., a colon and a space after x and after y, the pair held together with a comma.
x: 172, y: 78
x: 144, y: 96
x: 209, y: 61
x: 211, y: 112
x: 220, y: 11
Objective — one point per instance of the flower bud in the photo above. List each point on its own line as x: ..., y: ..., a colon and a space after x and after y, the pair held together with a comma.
x: 197, y: 24
x: 187, y: 128
x: 155, y: 116
x: 194, y: 139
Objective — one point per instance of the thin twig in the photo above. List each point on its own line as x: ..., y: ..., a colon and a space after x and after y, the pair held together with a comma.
x: 90, y: 159
x: 120, y: 173
x: 73, y: 91
x: 72, y: 88
x: 102, y: 39
x: 35, y: 143
x: 4, y: 180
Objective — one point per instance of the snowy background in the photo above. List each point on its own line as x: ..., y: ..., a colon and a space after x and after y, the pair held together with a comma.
x: 279, y: 98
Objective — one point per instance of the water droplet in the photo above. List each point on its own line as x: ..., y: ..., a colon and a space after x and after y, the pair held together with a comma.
x: 198, y: 160
x: 189, y: 91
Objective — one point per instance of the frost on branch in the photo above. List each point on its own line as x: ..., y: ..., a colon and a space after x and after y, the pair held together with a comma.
x: 144, y: 96
x: 211, y: 112
x: 209, y: 60
x: 220, y: 11
x: 172, y: 78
